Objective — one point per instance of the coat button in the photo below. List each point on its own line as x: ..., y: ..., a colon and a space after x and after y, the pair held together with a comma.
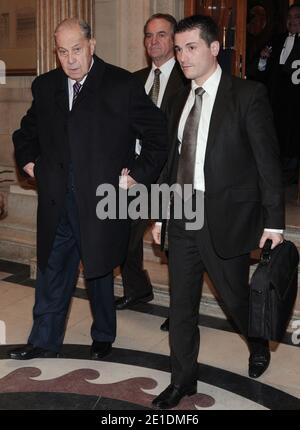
x: 53, y: 203
x: 61, y: 165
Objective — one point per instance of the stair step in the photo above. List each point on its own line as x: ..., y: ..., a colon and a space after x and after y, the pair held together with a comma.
x: 18, y: 235
x: 17, y: 241
x: 19, y: 252
x: 158, y: 274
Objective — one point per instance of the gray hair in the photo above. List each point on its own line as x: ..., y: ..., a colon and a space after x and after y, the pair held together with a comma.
x: 71, y: 22
x: 167, y: 17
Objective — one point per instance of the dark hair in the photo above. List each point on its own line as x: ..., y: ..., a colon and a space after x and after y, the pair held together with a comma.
x: 84, y: 26
x: 205, y: 24
x: 294, y: 6
x: 165, y: 16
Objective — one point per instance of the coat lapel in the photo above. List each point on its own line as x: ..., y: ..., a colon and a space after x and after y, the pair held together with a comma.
x: 62, y: 93
x: 219, y: 110
x: 175, y: 82
x: 143, y: 74
x: 174, y: 120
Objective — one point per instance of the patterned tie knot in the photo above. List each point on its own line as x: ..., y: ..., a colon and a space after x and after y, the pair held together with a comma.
x: 157, y: 72
x: 199, y: 91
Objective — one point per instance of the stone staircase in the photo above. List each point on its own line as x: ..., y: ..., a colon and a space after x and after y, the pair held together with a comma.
x: 156, y: 264
x: 17, y: 229
x: 17, y: 243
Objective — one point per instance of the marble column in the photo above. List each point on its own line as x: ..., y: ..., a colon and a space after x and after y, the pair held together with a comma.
x: 49, y: 14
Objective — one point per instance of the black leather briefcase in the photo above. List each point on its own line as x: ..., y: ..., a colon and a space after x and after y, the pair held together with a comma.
x: 273, y: 291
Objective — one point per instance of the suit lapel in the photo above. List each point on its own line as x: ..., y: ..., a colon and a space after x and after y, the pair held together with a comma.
x: 294, y: 54
x: 278, y: 47
x: 175, y: 82
x: 219, y: 110
x: 62, y: 93
x: 143, y: 74
x: 174, y: 120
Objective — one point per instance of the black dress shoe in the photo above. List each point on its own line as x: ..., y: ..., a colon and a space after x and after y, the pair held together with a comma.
x: 125, y: 302
x: 165, y: 325
x: 29, y: 351
x: 258, y: 363
x: 100, y: 350
x: 172, y: 395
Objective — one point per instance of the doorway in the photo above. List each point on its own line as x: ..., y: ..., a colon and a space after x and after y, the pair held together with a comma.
x: 245, y: 28
x: 266, y: 19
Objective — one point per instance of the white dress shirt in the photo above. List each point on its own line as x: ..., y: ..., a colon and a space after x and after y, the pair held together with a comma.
x: 71, y: 82
x: 208, y: 99
x: 166, y: 70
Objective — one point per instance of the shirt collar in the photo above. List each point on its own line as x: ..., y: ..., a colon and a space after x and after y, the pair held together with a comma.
x: 166, y: 68
x: 211, y: 85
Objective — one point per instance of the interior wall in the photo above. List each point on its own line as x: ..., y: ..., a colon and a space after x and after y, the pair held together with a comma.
x: 119, y: 28
x: 15, y: 98
x: 119, y: 33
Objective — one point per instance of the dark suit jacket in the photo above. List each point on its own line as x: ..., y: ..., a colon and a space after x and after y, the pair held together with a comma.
x: 284, y: 95
x: 98, y: 138
x: 176, y: 81
x: 242, y: 172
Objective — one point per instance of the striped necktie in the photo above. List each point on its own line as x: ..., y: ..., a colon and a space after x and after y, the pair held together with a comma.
x: 154, y: 92
x: 76, y: 90
x: 187, y: 159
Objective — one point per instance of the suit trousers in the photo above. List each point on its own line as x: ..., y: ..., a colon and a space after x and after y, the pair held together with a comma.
x: 191, y: 253
x: 55, y: 287
x: 135, y: 279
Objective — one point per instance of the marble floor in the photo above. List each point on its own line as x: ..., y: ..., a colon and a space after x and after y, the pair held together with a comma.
x: 138, y: 367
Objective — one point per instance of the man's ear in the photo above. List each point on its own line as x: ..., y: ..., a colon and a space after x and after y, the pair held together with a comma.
x: 215, y: 48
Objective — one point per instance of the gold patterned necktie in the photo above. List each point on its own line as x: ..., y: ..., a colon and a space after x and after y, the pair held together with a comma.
x: 154, y: 92
x: 187, y: 159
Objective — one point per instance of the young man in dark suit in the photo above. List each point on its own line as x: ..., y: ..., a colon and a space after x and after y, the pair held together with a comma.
x: 161, y: 80
x: 223, y: 144
x: 80, y: 133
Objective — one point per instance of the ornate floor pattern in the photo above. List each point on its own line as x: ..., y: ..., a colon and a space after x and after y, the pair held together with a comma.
x: 138, y: 367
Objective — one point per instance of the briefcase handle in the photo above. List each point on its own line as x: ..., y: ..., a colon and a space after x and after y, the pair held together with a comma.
x: 266, y: 252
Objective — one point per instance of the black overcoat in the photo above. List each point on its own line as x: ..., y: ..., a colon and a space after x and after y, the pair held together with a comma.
x: 97, y: 138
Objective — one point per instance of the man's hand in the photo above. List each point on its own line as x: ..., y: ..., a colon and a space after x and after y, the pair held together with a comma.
x: 29, y: 169
x: 156, y: 233
x: 276, y: 239
x: 126, y: 181
x: 266, y: 52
